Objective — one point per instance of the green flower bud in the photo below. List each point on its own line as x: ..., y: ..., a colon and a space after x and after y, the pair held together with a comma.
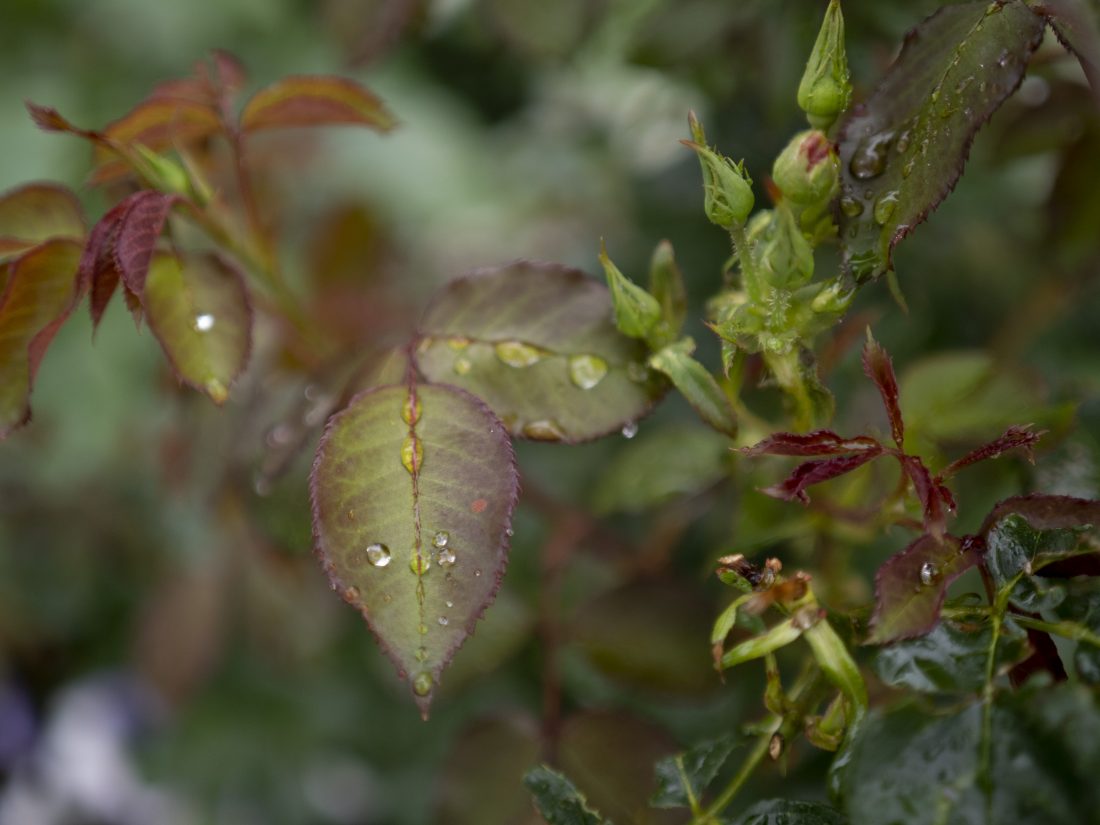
x: 786, y: 257
x: 160, y: 172
x: 825, y: 88
x: 637, y: 313
x: 807, y: 172
x: 727, y: 186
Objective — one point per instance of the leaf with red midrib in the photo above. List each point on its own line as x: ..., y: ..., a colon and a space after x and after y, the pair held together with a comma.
x: 139, y: 228
x: 879, y: 368
x: 819, y: 442
x: 317, y: 100
x: 815, y: 472
x: 413, y: 489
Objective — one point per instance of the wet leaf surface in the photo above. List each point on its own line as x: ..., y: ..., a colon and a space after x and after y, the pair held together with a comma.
x: 790, y: 812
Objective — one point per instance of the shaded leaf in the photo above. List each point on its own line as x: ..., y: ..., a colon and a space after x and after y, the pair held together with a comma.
x: 1046, y: 512
x: 911, y: 585
x: 903, y: 149
x: 36, y: 212
x: 198, y: 308
x: 1076, y: 26
x: 790, y: 812
x: 686, y: 775
x: 951, y: 658
x: 413, y: 489
x: 879, y: 368
x: 481, y: 781
x: 696, y: 384
x: 818, y: 442
x: 558, y: 799
x: 1016, y: 437
x: 39, y: 293
x: 815, y: 472
x: 317, y: 100
x: 139, y: 227
x: 536, y: 342
x: 1082, y: 607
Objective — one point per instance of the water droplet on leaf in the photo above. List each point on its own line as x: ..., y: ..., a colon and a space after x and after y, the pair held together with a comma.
x: 517, y: 354
x: 630, y: 429
x: 869, y: 159
x: 444, y: 621
x: 419, y: 564
x: 851, y: 207
x: 446, y: 557
x: 421, y: 654
x: 463, y: 365
x: 449, y: 603
x: 410, y: 410
x: 543, y: 430
x: 637, y: 372
x: 929, y: 573
x: 204, y: 322
x: 412, y: 453
x: 884, y: 207
x: 378, y: 555
x: 441, y: 538
x: 586, y: 371
x: 457, y: 343
x: 422, y: 684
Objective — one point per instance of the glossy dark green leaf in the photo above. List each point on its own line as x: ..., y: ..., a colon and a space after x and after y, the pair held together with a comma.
x: 951, y: 658
x: 696, y: 384
x: 413, y: 489
x: 657, y: 467
x: 903, y: 149
x: 790, y: 812
x: 689, y: 773
x: 198, y: 308
x: 910, y: 587
x: 35, y: 213
x: 558, y: 799
x: 1082, y: 607
x: 537, y: 343
x: 39, y: 293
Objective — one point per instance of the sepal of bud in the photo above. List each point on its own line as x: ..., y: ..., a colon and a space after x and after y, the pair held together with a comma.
x: 826, y: 89
x: 637, y: 313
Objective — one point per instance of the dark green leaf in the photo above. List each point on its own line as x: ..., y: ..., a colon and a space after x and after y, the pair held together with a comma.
x: 696, y: 384
x: 689, y: 773
x: 790, y: 812
x: 558, y: 799
x: 903, y: 149
x: 1082, y: 607
x: 198, y: 309
x: 951, y: 658
x: 39, y: 293
x: 911, y: 585
x: 413, y: 490
x: 536, y: 342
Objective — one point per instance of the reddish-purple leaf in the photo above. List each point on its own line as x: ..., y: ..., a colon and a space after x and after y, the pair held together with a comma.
x: 910, y: 587
x: 139, y: 228
x: 37, y: 212
x: 413, y: 489
x: 818, y: 442
x: 928, y: 492
x: 1045, y: 512
x: 814, y: 472
x: 319, y: 100
x: 1013, y: 438
x: 50, y: 120
x: 879, y: 368
x: 40, y: 292
x: 98, y: 270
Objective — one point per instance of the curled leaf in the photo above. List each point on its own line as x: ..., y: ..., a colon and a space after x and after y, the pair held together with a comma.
x: 318, y: 100
x: 696, y: 384
x: 879, y: 368
x: 815, y: 472
x: 818, y: 442
x: 413, y: 489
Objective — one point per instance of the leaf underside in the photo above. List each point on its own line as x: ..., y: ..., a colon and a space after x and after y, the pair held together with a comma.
x: 903, y: 150
x: 537, y: 342
x: 398, y: 471
x: 315, y: 101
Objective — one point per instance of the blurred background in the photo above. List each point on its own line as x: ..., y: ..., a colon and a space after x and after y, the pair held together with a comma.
x: 169, y: 650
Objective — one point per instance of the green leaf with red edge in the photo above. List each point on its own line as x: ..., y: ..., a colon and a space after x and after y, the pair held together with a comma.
x: 315, y: 100
x: 198, y: 308
x: 36, y: 212
x: 903, y: 149
x: 537, y: 343
x: 413, y: 489
x: 910, y: 587
x: 879, y: 368
x: 40, y: 292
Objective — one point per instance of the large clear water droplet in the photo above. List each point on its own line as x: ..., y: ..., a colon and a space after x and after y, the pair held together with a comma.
x: 869, y: 159
x: 543, y: 430
x: 885, y: 206
x: 422, y: 683
x: 204, y: 322
x: 586, y: 371
x: 445, y: 557
x: 378, y: 555
x: 517, y: 354
x: 441, y: 538
x: 412, y: 453
x: 929, y: 573
x: 419, y: 564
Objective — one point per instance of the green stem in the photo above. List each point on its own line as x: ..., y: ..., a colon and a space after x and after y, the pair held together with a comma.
x: 1067, y: 630
x: 985, y: 772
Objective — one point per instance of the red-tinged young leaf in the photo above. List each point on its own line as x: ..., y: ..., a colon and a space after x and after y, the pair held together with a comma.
x: 139, y: 228
x: 1077, y: 28
x: 319, y: 100
x: 537, y: 342
x: 1014, y: 438
x: 815, y: 472
x: 36, y: 212
x: 413, y: 489
x: 198, y: 309
x: 39, y: 294
x: 879, y: 368
x: 910, y: 587
x: 50, y: 120
x: 903, y: 149
x: 1045, y: 512
x: 928, y: 493
x: 98, y: 265
x: 818, y: 442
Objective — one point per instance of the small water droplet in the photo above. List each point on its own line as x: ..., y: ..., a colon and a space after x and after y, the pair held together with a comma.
x: 630, y: 429
x: 378, y: 554
x: 421, y: 653
x: 443, y: 621
x: 441, y: 538
x: 929, y: 573
x: 204, y: 322
x: 884, y: 207
x: 422, y: 684
x: 509, y: 532
x: 420, y: 564
x: 445, y: 557
x: 543, y: 430
x: 412, y: 453
x: 457, y: 343
x: 387, y: 598
x: 423, y: 629
x: 637, y: 372
x: 907, y: 169
x: 477, y: 573
x: 449, y: 603
x: 463, y: 365
x: 869, y: 159
x: 517, y: 354
x: 903, y: 142
x: 851, y: 207
x: 586, y: 371
x: 410, y: 410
